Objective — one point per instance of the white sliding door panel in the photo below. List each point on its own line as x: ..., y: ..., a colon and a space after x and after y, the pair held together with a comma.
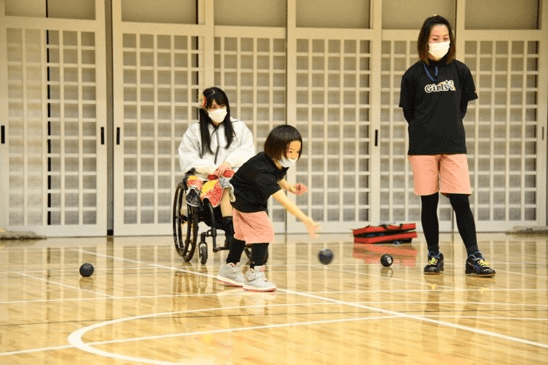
x: 333, y: 112
x: 54, y: 118
x: 157, y: 88
x: 252, y: 71
x: 506, y: 144
x: 158, y: 73
x: 398, y: 202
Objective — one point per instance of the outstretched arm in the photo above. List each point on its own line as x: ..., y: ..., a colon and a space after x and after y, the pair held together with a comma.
x: 311, y: 226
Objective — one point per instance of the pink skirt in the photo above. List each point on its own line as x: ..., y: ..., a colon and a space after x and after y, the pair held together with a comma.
x: 252, y: 227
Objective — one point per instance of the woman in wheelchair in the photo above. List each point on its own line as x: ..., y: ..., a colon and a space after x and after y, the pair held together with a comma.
x: 214, y: 147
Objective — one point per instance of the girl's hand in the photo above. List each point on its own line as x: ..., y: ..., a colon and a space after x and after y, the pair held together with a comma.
x: 311, y: 226
x: 298, y: 189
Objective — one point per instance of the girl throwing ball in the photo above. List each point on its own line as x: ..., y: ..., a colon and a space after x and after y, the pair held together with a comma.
x: 259, y: 178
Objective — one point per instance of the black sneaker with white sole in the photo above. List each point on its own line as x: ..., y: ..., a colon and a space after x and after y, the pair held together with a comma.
x: 477, y: 266
x: 435, y: 264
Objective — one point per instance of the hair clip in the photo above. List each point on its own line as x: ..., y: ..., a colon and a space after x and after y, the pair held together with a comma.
x: 203, y: 101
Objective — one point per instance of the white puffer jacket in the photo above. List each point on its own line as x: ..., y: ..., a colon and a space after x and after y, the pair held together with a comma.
x: 190, y: 149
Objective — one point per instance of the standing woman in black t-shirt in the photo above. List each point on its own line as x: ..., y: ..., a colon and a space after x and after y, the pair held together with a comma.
x: 259, y: 178
x: 435, y: 93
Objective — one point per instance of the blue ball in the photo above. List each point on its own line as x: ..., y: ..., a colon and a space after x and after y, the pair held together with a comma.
x: 325, y: 256
x: 86, y: 270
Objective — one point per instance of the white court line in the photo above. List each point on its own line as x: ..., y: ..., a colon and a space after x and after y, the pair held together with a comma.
x: 501, y: 318
x: 424, y: 319
x: 443, y: 289
x: 54, y: 348
x: 41, y: 349
x: 75, y: 338
x: 62, y: 285
x: 394, y: 313
x: 138, y: 297
x: 188, y: 334
x: 388, y: 312
x: 322, y: 299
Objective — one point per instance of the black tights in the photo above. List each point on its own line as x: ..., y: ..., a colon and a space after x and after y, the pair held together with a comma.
x: 235, y: 252
x: 465, y: 221
x: 258, y: 253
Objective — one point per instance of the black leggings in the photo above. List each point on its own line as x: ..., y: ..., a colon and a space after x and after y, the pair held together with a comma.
x: 236, y: 250
x: 258, y: 254
x: 465, y: 221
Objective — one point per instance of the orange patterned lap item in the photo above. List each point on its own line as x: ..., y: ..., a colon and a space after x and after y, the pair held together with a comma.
x: 213, y: 191
x: 194, y: 181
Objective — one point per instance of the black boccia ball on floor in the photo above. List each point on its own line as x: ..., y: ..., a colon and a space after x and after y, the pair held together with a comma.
x: 86, y: 270
x: 326, y: 256
x: 386, y: 260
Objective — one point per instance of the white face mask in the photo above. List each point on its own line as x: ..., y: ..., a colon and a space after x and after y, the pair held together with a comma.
x: 439, y: 50
x: 287, y: 162
x: 217, y: 115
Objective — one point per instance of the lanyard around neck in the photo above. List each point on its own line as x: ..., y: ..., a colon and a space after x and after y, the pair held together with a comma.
x: 428, y: 73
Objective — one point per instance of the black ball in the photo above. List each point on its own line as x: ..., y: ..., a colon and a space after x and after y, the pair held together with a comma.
x: 86, y: 270
x: 326, y: 256
x: 386, y: 260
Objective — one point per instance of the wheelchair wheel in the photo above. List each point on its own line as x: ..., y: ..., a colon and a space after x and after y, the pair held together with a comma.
x: 179, y: 219
x: 191, y: 233
x: 203, y: 253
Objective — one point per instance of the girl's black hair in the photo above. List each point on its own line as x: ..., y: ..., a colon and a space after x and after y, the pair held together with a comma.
x: 279, y: 139
x: 211, y: 94
x: 424, y: 35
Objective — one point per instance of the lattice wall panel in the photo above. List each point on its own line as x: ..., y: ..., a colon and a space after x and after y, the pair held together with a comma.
x: 502, y: 129
x: 161, y: 82
x: 72, y: 128
x: 27, y: 143
x: 333, y: 113
x: 53, y: 128
x: 398, y: 202
x: 252, y: 71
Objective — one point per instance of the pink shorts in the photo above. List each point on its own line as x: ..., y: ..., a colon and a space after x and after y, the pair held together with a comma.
x: 252, y: 227
x: 447, y: 174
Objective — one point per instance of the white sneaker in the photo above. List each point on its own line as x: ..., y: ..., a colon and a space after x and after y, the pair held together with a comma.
x: 231, y: 274
x: 256, y: 281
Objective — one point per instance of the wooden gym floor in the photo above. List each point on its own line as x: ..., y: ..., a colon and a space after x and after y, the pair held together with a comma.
x: 144, y: 305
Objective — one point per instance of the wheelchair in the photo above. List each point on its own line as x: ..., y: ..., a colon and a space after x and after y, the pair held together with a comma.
x: 187, y: 239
